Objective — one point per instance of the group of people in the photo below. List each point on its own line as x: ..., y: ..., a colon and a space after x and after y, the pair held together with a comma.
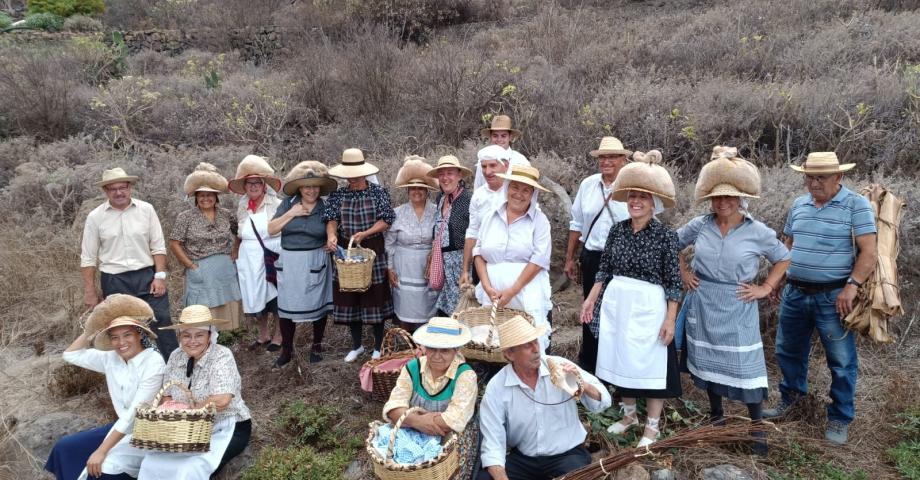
x: 642, y: 296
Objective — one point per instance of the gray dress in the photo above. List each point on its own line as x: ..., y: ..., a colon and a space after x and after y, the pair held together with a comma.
x: 304, y: 268
x: 408, y: 243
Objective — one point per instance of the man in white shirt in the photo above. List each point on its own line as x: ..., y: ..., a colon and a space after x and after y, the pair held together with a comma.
x: 486, y: 198
x: 500, y: 133
x: 524, y: 411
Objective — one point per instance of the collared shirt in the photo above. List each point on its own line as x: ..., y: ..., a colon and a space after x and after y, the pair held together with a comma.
x: 462, y: 403
x: 118, y: 241
x: 409, y: 231
x: 200, y: 236
x: 307, y: 232
x: 215, y: 373
x: 484, y: 201
x: 516, y: 159
x: 649, y: 255
x: 823, y: 238
x: 525, y: 240
x: 512, y: 415
x: 269, y: 206
x: 589, y: 202
x: 129, y: 383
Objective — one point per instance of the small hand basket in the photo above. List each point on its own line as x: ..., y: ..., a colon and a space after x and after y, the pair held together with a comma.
x: 355, y: 275
x: 442, y: 467
x: 487, y: 315
x: 174, y: 431
x: 385, y: 379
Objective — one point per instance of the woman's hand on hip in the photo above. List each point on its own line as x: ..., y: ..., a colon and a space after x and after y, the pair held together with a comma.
x: 749, y: 292
x: 666, y: 334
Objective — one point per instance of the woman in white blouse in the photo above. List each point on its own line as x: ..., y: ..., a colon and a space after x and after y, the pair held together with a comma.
x: 512, y: 253
x: 133, y: 373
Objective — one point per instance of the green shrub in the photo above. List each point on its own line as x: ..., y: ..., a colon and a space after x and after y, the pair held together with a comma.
x: 82, y: 23
x: 297, y: 463
x: 315, y: 425
x: 44, y: 21
x: 906, y: 457
x: 66, y: 8
x: 5, y: 20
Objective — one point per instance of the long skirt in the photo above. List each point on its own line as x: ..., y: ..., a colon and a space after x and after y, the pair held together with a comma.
x: 304, y: 284
x: 373, y: 306
x: 449, y: 296
x: 413, y: 300
x: 214, y: 284
x: 534, y: 298
x: 189, y: 466
x: 67, y: 460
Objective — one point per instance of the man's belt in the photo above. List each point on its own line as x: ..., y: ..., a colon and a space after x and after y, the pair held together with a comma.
x: 814, y: 288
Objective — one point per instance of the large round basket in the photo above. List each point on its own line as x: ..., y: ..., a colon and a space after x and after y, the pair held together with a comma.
x: 487, y: 315
x: 173, y: 430
x: 442, y: 467
x: 356, y: 270
x: 384, y: 379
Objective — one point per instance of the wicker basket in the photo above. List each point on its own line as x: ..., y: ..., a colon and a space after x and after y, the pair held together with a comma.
x: 487, y: 315
x: 175, y: 430
x: 385, y: 380
x: 442, y: 467
x: 355, y: 276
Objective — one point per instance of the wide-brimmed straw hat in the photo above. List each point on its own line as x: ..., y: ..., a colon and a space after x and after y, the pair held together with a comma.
x: 448, y: 161
x: 102, y: 341
x: 822, y: 163
x: 727, y: 175
x: 610, y: 146
x: 309, y: 174
x: 442, y: 332
x: 116, y: 306
x: 115, y: 175
x: 253, y: 166
x: 353, y: 165
x: 524, y: 174
x: 518, y: 331
x: 196, y: 316
x: 645, y: 174
x: 500, y: 122
x: 205, y: 179
x: 414, y: 173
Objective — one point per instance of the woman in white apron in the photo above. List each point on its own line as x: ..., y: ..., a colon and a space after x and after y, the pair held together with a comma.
x: 512, y: 253
x: 257, y: 206
x: 210, y: 372
x: 633, y: 304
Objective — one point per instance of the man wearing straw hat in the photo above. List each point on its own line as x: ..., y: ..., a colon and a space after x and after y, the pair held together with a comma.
x: 122, y: 238
x: 502, y: 134
x: 831, y: 235
x: 525, y: 411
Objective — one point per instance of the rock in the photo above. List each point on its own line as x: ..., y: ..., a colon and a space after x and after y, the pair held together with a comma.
x: 663, y: 474
x: 725, y: 472
x: 632, y: 472
x: 353, y: 472
x: 40, y: 434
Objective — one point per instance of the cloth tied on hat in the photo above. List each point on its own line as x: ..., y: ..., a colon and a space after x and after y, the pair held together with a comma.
x: 205, y: 178
x: 115, y: 175
x: 822, y: 163
x: 518, y: 331
x: 494, y: 152
x: 353, y: 165
x: 414, y: 173
x: 727, y: 175
x: 442, y: 332
x: 309, y: 173
x: 645, y: 174
x: 500, y: 122
x: 253, y: 166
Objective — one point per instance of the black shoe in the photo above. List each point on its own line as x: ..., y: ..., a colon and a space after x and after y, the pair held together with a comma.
x: 759, y: 444
x: 256, y: 345
x: 717, y: 420
x: 273, y: 347
x: 281, y: 361
x: 315, y: 357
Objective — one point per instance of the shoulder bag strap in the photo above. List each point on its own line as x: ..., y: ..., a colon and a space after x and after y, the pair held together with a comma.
x: 256, y: 232
x: 601, y: 211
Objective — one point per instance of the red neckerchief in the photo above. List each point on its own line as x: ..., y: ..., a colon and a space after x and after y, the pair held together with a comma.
x: 253, y: 205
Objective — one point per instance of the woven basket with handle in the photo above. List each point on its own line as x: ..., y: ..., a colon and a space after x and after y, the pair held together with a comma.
x: 493, y: 316
x: 355, y: 275
x: 385, y: 380
x: 442, y: 467
x: 174, y: 431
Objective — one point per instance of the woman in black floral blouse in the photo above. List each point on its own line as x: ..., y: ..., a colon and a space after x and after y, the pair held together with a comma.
x: 639, y: 286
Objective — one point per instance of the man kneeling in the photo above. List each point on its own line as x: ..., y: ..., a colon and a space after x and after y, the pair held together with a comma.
x: 523, y: 410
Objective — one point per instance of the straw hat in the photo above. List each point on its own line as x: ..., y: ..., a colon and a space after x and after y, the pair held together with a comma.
x: 448, y: 161
x: 102, y: 341
x: 727, y: 175
x: 442, y: 332
x: 114, y: 306
x: 205, y: 179
x: 253, y: 166
x: 500, y: 122
x: 822, y: 163
x: 524, y: 174
x: 115, y: 175
x: 645, y: 175
x: 353, y: 165
x: 414, y: 173
x: 309, y: 173
x: 196, y: 316
x: 610, y: 146
x: 518, y: 331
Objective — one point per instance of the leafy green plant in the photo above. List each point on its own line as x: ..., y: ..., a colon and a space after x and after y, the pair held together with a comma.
x: 44, y: 21
x: 803, y: 464
x: 5, y: 20
x: 315, y: 425
x: 906, y: 457
x: 298, y: 463
x: 66, y: 8
x: 82, y: 23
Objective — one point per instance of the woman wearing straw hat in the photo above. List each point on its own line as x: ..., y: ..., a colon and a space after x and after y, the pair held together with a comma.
x: 408, y: 244
x: 451, y: 222
x: 257, y: 206
x: 202, y: 240
x: 305, y: 267
x: 724, y: 349
x: 512, y: 253
x: 639, y: 278
x: 133, y: 369
x: 210, y: 373
x: 501, y: 133
x: 360, y: 211
x: 594, y: 211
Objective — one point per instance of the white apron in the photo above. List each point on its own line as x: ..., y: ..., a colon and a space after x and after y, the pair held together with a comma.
x: 629, y: 353
x: 250, y: 265
x: 122, y: 458
x: 189, y: 466
x: 534, y: 298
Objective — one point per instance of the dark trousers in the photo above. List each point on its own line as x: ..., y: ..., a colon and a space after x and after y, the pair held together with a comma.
x: 137, y: 283
x: 241, y: 434
x: 69, y: 455
x: 521, y: 467
x: 590, y: 263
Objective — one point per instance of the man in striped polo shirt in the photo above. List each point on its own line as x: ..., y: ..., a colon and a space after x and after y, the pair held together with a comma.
x: 831, y: 234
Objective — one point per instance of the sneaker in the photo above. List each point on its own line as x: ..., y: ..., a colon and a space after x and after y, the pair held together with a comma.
x: 836, y: 432
x: 375, y: 355
x: 781, y: 408
x: 353, y: 355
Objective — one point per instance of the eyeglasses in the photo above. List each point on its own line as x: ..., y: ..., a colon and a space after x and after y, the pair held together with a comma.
x: 126, y: 188
x: 252, y: 183
x: 822, y: 179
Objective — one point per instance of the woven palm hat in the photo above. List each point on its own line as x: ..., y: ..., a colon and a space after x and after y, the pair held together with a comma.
x: 524, y: 174
x: 196, y: 316
x: 822, y: 163
x: 448, y: 161
x: 205, y: 179
x: 102, y: 341
x: 254, y: 166
x: 353, y: 165
x: 114, y: 306
x: 115, y: 175
x: 610, y: 146
x: 309, y: 173
x: 500, y: 122
x: 518, y: 331
x: 414, y: 173
x: 442, y: 332
x: 645, y: 174
x: 727, y: 175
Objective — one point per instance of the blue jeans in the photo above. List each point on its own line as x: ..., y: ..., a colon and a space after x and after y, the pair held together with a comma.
x: 799, y: 315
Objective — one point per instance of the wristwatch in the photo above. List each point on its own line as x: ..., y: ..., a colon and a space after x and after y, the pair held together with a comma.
x: 159, y: 276
x: 852, y: 281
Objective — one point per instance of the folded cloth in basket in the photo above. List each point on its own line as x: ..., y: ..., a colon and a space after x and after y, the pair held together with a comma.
x: 481, y: 335
x: 412, y: 446
x: 172, y: 405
